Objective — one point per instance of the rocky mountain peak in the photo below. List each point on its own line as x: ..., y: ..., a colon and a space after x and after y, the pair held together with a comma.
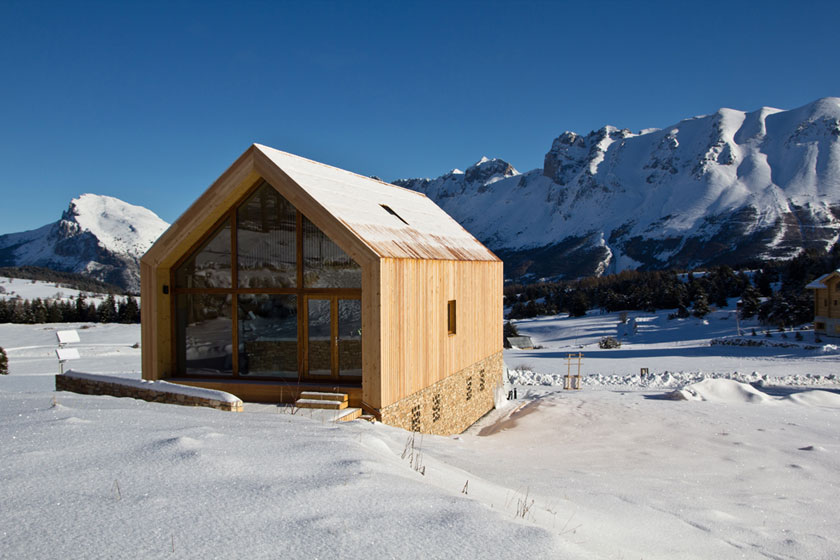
x: 486, y: 169
x: 100, y: 236
x: 719, y: 188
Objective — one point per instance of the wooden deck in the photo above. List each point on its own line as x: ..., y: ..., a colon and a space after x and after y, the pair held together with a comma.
x: 272, y: 391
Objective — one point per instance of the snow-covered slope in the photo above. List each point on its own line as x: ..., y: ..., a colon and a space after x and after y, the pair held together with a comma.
x: 100, y: 236
x: 716, y: 188
x: 745, y: 468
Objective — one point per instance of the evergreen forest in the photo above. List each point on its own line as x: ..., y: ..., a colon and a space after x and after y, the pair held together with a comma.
x: 772, y: 291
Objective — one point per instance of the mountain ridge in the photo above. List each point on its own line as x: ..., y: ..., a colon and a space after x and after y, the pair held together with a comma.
x: 712, y: 189
x: 98, y: 236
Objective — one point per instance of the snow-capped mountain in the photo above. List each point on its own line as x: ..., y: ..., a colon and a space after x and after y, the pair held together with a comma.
x: 100, y: 236
x: 720, y: 188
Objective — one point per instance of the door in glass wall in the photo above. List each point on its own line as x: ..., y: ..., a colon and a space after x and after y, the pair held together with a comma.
x: 334, y: 338
x: 350, y: 339
x: 319, y: 338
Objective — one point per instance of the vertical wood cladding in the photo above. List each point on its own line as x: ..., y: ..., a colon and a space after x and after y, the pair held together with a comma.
x: 408, y: 351
x: 417, y: 350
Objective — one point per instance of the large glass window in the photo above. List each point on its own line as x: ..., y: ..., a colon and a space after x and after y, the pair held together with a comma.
x: 204, y: 334
x: 209, y: 265
x: 241, y: 310
x: 268, y: 335
x: 266, y: 224
x: 325, y: 264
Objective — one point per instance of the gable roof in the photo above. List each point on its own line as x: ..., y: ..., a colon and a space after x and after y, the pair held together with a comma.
x: 393, y: 221
x: 819, y: 283
x: 366, y: 217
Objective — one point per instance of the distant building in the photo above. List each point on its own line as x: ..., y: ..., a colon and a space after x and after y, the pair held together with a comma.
x: 827, y: 303
x: 288, y: 275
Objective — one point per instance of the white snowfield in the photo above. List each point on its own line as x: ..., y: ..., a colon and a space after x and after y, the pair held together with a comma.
x: 744, y: 465
x: 14, y: 288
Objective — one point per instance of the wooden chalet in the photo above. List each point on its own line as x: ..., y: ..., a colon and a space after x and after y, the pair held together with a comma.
x: 288, y: 275
x: 827, y: 303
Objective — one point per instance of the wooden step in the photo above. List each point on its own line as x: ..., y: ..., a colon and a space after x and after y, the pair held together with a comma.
x: 319, y: 396
x: 351, y: 414
x: 318, y: 403
x: 324, y: 415
x: 367, y: 417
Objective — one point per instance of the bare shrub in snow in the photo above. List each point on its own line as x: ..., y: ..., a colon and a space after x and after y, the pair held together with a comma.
x: 524, y: 504
x: 414, y: 454
x: 4, y: 362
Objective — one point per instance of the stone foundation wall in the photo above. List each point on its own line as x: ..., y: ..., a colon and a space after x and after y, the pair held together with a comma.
x: 451, y: 405
x: 96, y: 387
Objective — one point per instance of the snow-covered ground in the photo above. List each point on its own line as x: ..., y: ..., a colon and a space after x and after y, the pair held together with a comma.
x: 21, y: 288
x: 675, y: 345
x: 619, y: 469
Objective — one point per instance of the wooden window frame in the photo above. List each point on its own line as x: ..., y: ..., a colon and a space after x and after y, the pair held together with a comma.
x: 451, y: 317
x: 234, y: 291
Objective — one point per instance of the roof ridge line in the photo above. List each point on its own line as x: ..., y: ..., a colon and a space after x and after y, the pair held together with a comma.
x: 263, y: 146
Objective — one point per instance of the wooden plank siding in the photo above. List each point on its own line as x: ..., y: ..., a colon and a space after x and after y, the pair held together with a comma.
x: 827, y: 300
x: 405, y: 344
x: 416, y: 349
x: 371, y: 336
x: 832, y: 297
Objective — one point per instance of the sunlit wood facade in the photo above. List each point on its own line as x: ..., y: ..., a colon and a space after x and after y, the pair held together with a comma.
x: 827, y: 303
x: 321, y: 278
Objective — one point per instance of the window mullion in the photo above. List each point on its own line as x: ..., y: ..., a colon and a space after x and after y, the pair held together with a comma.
x: 234, y: 298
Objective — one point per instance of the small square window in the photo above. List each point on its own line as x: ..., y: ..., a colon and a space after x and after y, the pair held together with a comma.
x: 450, y: 317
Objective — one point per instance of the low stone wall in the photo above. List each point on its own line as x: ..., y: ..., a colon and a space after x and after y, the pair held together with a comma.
x: 451, y: 405
x: 90, y: 385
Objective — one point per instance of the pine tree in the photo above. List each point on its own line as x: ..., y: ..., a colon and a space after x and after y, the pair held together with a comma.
x: 68, y: 311
x: 128, y: 311
x: 720, y: 298
x: 579, y: 305
x: 107, y: 310
x: 54, y: 314
x: 39, y: 311
x: 81, y: 309
x: 763, y: 281
x: 701, y: 304
x: 749, y: 302
x: 26, y: 313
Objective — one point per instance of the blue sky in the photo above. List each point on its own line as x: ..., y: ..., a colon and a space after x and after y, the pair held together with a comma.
x: 151, y: 101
